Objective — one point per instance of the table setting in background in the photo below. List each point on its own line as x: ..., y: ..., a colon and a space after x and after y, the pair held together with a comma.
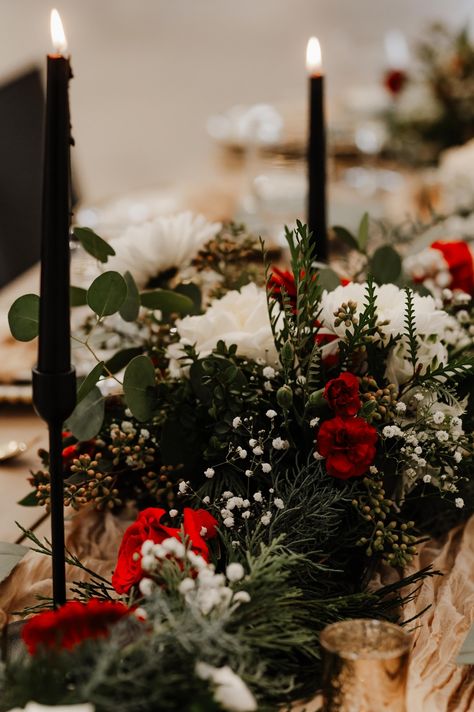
x: 254, y: 401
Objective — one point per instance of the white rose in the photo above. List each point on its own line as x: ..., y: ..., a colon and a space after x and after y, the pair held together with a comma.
x: 399, y: 367
x: 239, y: 318
x: 151, y: 248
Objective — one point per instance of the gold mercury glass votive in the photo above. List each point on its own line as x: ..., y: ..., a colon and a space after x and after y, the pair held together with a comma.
x: 365, y: 664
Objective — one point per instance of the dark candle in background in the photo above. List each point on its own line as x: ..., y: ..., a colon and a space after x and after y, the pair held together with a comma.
x: 54, y: 383
x: 54, y: 348
x: 317, y: 220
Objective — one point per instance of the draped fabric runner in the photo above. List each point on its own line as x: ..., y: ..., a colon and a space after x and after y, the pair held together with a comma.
x: 436, y: 683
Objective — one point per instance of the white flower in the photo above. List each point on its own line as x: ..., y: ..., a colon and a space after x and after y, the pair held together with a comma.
x: 391, y: 431
x: 183, y: 487
x: 427, y: 479
x: 438, y: 417
x: 431, y: 351
x: 229, y: 522
x: 173, y: 513
x: 258, y: 450
x: 257, y: 496
x: 235, y: 572
x: 459, y: 502
x: 241, y: 597
x: 248, y: 473
x: 401, y: 407
x: 186, y: 585
x: 237, y: 422
x: 252, y: 442
x: 206, y: 499
x: 246, y: 514
x: 266, y: 518
x: 229, y: 689
x: 151, y: 248
x: 279, y: 504
x: 313, y: 422
x: 442, y: 436
x: 146, y: 587
x: 203, y: 531
x: 269, y: 372
x: 145, y: 434
x: 238, y: 318
x: 210, y: 472
x: 271, y: 414
x: 266, y: 467
x: 174, y: 547
x: 457, y: 456
x: 317, y: 455
x: 241, y: 452
x: 280, y: 444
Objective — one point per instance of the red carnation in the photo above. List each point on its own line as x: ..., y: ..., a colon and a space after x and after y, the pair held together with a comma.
x: 394, y: 81
x: 460, y: 263
x: 128, y: 571
x: 347, y: 445
x: 71, y: 624
x: 279, y: 281
x: 342, y: 394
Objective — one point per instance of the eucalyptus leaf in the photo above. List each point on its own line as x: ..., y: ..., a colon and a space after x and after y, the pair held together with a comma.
x: 30, y: 500
x: 78, y: 296
x: 10, y: 556
x: 138, y: 387
x: 167, y: 301
x: 131, y: 306
x: 343, y: 234
x: 122, y: 358
x: 23, y: 317
x: 328, y: 279
x: 90, y: 381
x: 385, y: 265
x: 88, y: 416
x: 192, y: 291
x: 93, y: 244
x: 107, y: 293
x: 363, y: 232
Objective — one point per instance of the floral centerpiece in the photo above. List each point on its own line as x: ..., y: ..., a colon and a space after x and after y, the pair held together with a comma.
x: 281, y: 432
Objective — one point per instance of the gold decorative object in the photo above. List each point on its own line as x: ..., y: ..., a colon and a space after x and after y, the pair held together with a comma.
x: 365, y: 664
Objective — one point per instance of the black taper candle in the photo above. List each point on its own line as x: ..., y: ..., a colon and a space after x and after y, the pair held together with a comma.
x: 317, y: 219
x: 54, y: 392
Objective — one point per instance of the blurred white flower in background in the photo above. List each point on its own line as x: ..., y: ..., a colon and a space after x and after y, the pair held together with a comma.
x: 35, y: 707
x: 456, y: 174
x: 230, y: 691
x: 163, y: 243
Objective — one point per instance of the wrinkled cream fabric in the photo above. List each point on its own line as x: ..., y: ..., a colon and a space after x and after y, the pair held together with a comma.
x: 435, y: 684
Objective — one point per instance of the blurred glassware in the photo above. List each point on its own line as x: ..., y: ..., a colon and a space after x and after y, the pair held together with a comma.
x: 365, y: 666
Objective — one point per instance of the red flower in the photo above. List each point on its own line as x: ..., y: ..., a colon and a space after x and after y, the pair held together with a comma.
x: 460, y: 263
x: 394, y: 81
x: 128, y: 571
x: 71, y: 624
x: 347, y: 445
x: 285, y: 280
x: 342, y: 394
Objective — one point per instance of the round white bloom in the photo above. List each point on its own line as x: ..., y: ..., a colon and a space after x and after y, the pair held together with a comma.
x: 246, y: 514
x: 174, y: 547
x: 151, y: 248
x: 148, y: 562
x: 203, y: 531
x: 252, y: 442
x: 257, y: 496
x: 266, y: 467
x: 258, y: 450
x: 235, y: 572
x: 241, y: 597
x: 459, y: 502
x: 183, y: 487
x: 206, y: 499
x: 242, y: 453
x: 144, y: 433
x: 457, y: 456
x: 271, y: 414
x: 237, y: 422
x: 173, y: 513
x: 147, y: 547
x: 401, y: 407
x: 269, y: 372
x: 186, y: 585
x: 266, y: 518
x: 248, y: 473
x: 438, y: 417
x: 229, y: 689
x: 313, y: 422
x: 279, y: 504
x: 229, y: 522
x: 427, y: 479
x: 210, y: 472
x: 442, y: 436
x: 146, y: 587
x: 399, y: 367
x: 240, y: 318
x: 280, y: 444
x: 317, y: 455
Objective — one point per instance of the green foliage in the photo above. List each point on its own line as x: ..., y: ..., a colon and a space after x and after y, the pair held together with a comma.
x: 167, y: 301
x: 138, y: 387
x: 23, y: 317
x: 410, y: 326
x: 122, y: 358
x: 93, y: 244
x: 346, y: 236
x: 107, y: 293
x: 88, y: 415
x: 131, y: 306
x: 363, y: 232
x: 88, y: 383
x: 77, y: 296
x: 385, y: 265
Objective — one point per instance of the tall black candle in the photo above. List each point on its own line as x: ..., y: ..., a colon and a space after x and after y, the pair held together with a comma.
x: 53, y: 379
x: 317, y: 221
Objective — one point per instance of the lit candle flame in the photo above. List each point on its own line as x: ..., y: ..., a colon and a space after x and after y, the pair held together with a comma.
x: 57, y: 33
x: 313, y: 57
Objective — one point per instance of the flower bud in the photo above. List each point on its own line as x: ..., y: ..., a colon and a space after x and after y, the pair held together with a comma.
x: 284, y: 397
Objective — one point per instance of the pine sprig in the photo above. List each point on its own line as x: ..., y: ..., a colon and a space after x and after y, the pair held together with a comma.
x: 410, y: 329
